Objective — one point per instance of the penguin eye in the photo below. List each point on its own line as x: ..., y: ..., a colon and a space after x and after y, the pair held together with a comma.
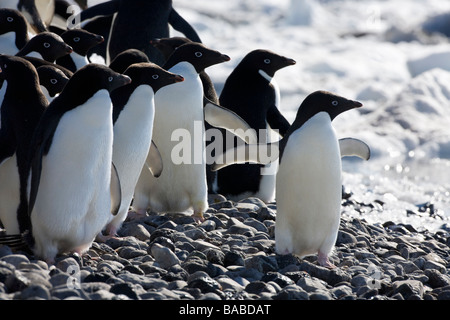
x: 76, y: 39
x: 10, y: 19
x: 334, y: 103
x: 46, y: 45
x: 267, y: 61
x: 198, y: 54
x: 110, y: 79
x: 53, y: 81
x: 155, y: 76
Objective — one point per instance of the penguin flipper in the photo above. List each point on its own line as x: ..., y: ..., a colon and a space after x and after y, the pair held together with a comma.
x: 102, y: 9
x: 277, y: 121
x: 264, y: 153
x: 354, y: 147
x: 116, y: 190
x: 181, y: 25
x: 154, y: 161
x: 35, y: 19
x: 221, y: 117
x: 39, y: 147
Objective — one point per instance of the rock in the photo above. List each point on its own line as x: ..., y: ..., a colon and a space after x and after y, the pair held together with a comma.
x: 203, y: 281
x: 164, y: 256
x: 407, y: 288
x: 278, y: 278
x: 258, y: 287
x: 436, y: 279
x: 291, y: 292
x: 134, y: 229
x: 311, y: 284
x: 34, y: 292
x: 261, y: 263
x: 132, y: 291
x: 15, y: 259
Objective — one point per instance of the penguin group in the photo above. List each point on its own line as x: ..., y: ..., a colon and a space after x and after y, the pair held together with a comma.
x: 107, y: 120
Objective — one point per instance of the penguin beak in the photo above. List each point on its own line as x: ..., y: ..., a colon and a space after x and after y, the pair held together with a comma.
x: 178, y: 78
x: 69, y: 49
x: 357, y: 104
x: 290, y: 62
x: 99, y: 39
x: 225, y: 58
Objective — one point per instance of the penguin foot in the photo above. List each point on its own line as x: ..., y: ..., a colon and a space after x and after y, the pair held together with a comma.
x: 198, y: 217
x: 323, y: 260
x: 102, y: 238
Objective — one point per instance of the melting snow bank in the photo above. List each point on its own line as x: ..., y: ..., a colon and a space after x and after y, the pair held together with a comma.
x: 410, y: 141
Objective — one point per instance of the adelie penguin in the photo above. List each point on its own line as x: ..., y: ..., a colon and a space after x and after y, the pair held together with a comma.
x: 136, y: 22
x: 47, y: 46
x: 51, y: 80
x: 81, y: 41
x: 167, y: 46
x: 133, y: 114
x: 13, y: 31
x: 308, y: 182
x: 71, y: 190
x: 30, y: 11
x: 180, y: 115
x: 20, y: 114
x: 258, y: 103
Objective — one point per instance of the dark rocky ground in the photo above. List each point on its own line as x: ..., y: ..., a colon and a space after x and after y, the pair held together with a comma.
x: 230, y: 256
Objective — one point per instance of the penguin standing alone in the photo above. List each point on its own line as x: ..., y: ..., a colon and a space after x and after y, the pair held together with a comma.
x: 308, y: 182
x: 67, y: 219
x: 252, y: 93
x: 133, y: 113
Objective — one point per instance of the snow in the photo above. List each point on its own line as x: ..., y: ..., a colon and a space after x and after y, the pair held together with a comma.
x: 393, y: 56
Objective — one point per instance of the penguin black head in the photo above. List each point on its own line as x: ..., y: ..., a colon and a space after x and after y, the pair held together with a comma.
x: 196, y: 54
x: 81, y: 40
x: 14, y: 69
x: 322, y: 101
x: 48, y: 44
x: 126, y: 58
x: 12, y: 20
x: 266, y: 61
x: 94, y: 77
x: 152, y: 75
x: 168, y: 45
x: 52, y: 78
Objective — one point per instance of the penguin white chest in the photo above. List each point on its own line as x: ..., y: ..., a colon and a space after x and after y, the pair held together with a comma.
x: 309, y: 190
x: 73, y: 200
x: 132, y: 138
x: 79, y: 60
x: 178, y: 132
x: 8, y: 43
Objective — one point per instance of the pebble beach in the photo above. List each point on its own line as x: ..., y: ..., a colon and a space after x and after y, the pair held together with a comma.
x: 230, y: 256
